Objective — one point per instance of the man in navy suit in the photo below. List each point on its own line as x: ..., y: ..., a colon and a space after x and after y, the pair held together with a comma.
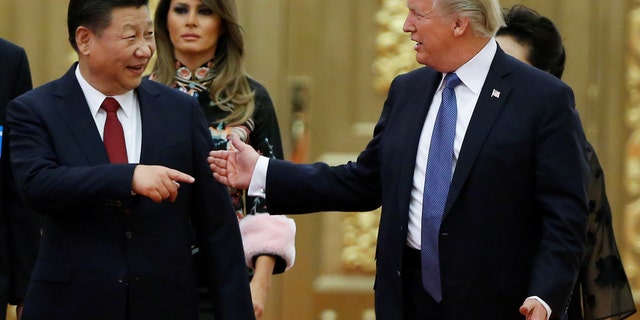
x: 513, y: 223
x: 19, y: 226
x: 117, y: 236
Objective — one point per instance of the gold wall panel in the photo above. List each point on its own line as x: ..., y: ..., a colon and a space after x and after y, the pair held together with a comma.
x: 360, y: 231
x: 631, y: 217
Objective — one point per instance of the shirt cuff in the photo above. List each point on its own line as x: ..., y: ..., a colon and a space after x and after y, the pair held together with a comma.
x: 546, y: 306
x: 259, y: 178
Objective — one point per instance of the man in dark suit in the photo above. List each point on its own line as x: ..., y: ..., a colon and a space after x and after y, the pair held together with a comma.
x: 116, y: 234
x: 19, y: 226
x: 511, y: 228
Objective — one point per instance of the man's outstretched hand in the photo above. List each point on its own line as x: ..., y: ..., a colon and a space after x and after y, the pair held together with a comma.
x: 532, y: 309
x: 234, y: 168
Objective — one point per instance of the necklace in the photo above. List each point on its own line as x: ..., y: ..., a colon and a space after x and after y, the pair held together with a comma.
x: 193, y: 83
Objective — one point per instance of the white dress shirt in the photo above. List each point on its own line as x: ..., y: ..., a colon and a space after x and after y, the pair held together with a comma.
x: 472, y: 74
x: 128, y: 114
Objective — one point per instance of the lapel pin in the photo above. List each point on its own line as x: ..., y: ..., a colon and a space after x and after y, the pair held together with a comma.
x: 495, y: 94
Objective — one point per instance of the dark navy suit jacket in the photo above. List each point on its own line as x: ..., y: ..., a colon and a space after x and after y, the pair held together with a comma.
x: 515, y: 217
x: 19, y: 226
x: 106, y: 254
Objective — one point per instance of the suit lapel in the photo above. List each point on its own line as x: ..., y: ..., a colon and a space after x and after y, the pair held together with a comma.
x: 415, y: 118
x: 493, y: 96
x: 74, y: 110
x: 154, y: 123
x: 410, y: 126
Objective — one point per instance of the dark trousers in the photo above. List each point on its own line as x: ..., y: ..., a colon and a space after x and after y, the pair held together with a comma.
x: 418, y: 304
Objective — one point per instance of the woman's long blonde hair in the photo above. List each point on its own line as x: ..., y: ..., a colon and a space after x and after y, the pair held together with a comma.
x: 230, y: 88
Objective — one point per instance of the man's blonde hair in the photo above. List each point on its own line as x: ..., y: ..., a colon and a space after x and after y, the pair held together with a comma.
x: 485, y: 15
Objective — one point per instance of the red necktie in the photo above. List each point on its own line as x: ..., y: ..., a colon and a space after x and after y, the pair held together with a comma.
x: 113, y: 136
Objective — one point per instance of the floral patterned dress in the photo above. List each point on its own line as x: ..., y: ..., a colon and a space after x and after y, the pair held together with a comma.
x: 262, y: 234
x: 602, y: 290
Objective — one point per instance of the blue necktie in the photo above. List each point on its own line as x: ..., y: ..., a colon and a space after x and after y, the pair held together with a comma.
x: 436, y: 185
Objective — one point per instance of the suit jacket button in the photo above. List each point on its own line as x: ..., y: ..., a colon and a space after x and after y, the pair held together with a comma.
x: 128, y: 234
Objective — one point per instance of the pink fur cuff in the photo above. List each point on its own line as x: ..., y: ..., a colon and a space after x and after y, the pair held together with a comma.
x: 265, y: 234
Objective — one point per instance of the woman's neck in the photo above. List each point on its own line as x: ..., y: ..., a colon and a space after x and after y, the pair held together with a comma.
x: 193, y: 61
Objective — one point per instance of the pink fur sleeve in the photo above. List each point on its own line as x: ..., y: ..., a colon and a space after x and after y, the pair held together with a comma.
x: 264, y: 234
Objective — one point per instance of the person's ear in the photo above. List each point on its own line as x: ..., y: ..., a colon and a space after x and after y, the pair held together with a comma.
x: 84, y: 39
x: 461, y: 24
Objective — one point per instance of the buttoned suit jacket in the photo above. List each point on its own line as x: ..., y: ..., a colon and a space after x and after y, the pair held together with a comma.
x: 108, y: 254
x: 514, y: 224
x: 19, y: 226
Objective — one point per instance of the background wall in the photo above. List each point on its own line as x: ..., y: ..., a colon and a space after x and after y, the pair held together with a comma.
x: 316, y: 59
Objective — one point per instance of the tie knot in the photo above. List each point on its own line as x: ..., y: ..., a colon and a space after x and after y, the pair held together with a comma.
x: 110, y: 105
x: 451, y: 80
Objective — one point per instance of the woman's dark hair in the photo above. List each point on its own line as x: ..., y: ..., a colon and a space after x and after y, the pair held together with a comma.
x: 539, y: 35
x: 94, y: 15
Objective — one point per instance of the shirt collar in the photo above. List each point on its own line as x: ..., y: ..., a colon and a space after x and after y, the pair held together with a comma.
x: 474, y: 72
x: 94, y: 97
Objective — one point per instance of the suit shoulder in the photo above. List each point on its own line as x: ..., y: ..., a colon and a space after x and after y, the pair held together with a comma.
x: 419, y: 73
x: 156, y: 86
x: 39, y: 92
x: 165, y: 91
x: 10, y: 49
x: 417, y: 77
x: 531, y: 76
